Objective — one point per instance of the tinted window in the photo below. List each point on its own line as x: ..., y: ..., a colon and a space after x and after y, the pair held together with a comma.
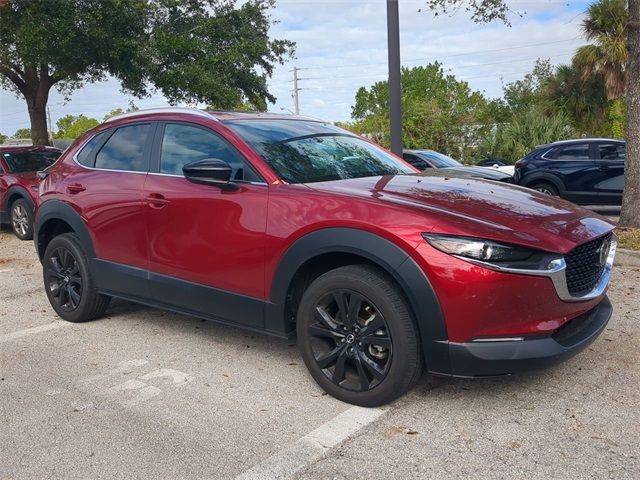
x: 125, y: 149
x: 572, y: 152
x: 441, y: 160
x: 304, y: 151
x: 416, y: 161
x: 29, y: 161
x: 183, y: 144
x: 86, y: 156
x: 612, y: 151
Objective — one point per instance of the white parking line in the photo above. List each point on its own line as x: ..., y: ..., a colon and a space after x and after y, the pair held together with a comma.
x: 7, y: 337
x: 7, y: 270
x: 310, y: 448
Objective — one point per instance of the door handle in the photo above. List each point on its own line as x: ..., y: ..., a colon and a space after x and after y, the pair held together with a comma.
x: 156, y: 200
x: 75, y: 188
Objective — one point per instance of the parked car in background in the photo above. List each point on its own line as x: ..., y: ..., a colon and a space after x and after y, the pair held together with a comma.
x: 426, y: 160
x: 584, y: 171
x: 379, y: 270
x: 19, y: 184
x: 498, y: 165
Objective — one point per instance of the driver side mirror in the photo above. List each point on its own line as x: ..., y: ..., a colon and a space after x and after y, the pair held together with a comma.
x: 210, y: 171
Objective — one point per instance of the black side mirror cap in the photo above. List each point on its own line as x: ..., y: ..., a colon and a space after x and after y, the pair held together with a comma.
x: 210, y: 171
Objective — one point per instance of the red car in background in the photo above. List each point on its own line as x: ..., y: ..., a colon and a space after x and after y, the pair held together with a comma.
x: 19, y: 184
x: 284, y: 224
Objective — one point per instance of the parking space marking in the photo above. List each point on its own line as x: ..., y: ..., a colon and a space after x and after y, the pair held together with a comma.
x: 313, y: 446
x: 7, y: 270
x: 7, y: 337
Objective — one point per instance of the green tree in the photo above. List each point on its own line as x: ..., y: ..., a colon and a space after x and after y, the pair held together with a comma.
x: 606, y: 26
x: 120, y: 111
x: 2, y: 138
x: 582, y: 100
x: 439, y: 111
x: 72, y: 126
x: 213, y: 51
x: 22, y: 133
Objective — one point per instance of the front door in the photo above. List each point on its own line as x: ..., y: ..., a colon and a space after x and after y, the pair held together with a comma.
x: 206, y: 246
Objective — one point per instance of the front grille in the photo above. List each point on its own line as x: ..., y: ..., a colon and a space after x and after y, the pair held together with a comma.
x: 584, y: 267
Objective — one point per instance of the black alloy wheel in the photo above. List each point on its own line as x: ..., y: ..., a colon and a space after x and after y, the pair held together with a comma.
x: 357, y: 336
x: 350, y: 340
x: 63, y: 279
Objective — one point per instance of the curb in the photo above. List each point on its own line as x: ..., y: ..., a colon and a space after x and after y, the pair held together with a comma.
x: 627, y: 258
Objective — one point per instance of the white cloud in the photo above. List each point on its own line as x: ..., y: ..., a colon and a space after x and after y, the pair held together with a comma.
x: 341, y: 45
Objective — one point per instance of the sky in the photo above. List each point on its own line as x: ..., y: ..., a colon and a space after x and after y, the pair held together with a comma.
x: 341, y: 46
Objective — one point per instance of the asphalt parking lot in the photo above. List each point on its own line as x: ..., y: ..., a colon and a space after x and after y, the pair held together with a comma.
x: 149, y: 394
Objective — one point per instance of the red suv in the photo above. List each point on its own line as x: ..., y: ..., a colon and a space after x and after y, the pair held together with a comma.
x: 284, y: 224
x: 19, y: 184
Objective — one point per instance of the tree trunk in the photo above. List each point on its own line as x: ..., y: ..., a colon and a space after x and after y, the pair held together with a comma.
x: 630, y: 214
x: 38, y: 117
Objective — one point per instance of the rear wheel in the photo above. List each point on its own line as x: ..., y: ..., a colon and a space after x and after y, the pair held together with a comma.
x: 68, y: 281
x: 357, y: 336
x: 545, y: 188
x: 21, y: 223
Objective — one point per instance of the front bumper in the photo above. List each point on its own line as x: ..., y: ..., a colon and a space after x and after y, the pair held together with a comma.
x: 474, y: 359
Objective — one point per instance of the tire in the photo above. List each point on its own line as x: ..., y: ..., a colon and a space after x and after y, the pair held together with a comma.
x: 371, y: 361
x: 68, y: 281
x: 546, y: 188
x: 21, y: 217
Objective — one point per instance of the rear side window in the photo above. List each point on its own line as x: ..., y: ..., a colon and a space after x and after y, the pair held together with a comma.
x: 125, y: 150
x: 87, y: 156
x: 612, y: 151
x: 572, y: 152
x: 183, y: 144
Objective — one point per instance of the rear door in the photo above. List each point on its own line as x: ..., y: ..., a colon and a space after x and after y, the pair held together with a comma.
x: 575, y: 166
x: 109, y: 192
x: 610, y: 158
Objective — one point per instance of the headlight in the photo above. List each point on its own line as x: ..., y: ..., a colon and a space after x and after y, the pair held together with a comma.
x: 478, y: 249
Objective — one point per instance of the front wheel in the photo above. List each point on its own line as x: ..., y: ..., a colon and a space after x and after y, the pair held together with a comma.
x: 21, y: 223
x: 546, y: 188
x: 357, y: 336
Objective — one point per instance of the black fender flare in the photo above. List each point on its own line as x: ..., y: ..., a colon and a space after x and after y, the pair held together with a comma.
x: 17, y: 190
x: 59, y: 210
x: 388, y: 256
x: 543, y: 177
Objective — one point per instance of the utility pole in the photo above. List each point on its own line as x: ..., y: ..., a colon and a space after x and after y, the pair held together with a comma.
x: 296, y: 100
x: 395, y: 99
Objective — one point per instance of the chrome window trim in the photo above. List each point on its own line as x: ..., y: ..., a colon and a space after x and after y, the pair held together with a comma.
x: 555, y: 270
x: 242, y: 182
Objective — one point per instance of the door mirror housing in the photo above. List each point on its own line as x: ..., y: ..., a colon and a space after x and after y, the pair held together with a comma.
x: 210, y: 171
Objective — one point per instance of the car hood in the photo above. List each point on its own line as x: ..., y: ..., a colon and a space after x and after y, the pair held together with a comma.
x: 480, y: 172
x: 481, y: 208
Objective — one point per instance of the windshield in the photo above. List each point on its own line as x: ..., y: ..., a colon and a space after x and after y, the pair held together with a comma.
x: 441, y: 160
x: 306, y: 151
x: 20, y: 162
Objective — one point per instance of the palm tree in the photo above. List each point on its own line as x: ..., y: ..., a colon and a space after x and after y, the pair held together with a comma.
x: 606, y: 27
x: 582, y: 100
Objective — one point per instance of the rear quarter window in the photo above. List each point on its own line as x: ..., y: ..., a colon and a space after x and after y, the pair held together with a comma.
x: 87, y: 154
x: 125, y: 149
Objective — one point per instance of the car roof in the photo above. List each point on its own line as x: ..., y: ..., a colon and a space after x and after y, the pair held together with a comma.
x: 218, y: 115
x: 579, y: 140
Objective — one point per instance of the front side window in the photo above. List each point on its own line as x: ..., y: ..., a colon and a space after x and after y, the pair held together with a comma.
x: 21, y: 162
x: 612, y: 151
x: 125, y: 149
x: 183, y: 144
x: 572, y: 152
x: 306, y: 151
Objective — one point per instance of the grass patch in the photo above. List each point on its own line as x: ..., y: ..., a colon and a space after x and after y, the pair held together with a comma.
x: 628, y: 238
